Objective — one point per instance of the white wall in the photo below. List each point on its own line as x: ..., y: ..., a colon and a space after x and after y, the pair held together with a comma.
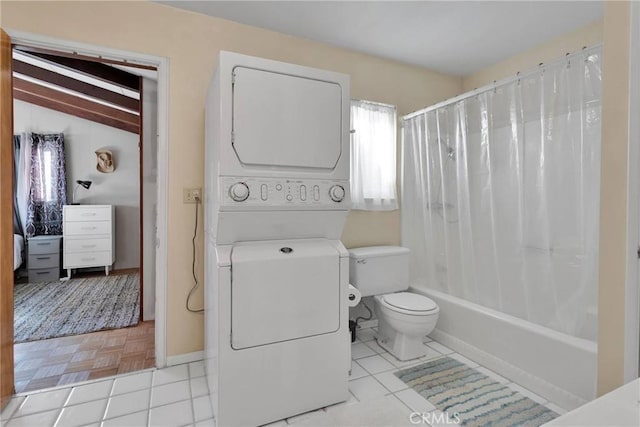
x: 149, y: 194
x: 120, y: 188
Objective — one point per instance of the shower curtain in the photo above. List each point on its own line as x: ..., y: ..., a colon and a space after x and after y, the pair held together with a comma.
x: 500, y: 195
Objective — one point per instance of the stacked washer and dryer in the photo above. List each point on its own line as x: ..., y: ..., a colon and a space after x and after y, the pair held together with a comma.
x: 276, y: 273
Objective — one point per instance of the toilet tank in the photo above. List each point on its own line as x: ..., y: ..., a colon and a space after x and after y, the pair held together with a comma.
x: 377, y: 270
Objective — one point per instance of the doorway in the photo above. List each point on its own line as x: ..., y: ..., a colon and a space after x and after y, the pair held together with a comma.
x: 91, y: 115
x: 156, y: 267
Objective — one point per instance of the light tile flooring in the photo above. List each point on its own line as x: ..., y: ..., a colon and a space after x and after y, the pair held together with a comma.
x: 178, y: 396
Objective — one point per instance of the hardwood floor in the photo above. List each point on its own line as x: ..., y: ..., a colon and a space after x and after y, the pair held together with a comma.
x: 58, y: 361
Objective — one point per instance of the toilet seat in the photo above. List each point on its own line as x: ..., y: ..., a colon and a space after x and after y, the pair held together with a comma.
x: 409, y: 303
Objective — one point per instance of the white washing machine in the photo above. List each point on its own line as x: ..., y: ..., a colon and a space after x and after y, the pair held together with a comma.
x: 276, y: 274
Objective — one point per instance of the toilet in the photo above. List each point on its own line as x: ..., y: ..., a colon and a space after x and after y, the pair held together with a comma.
x: 404, y: 318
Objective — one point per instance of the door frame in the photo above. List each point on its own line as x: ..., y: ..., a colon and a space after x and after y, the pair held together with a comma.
x: 162, y: 66
x: 7, y: 385
x: 631, y: 367
x: 141, y: 193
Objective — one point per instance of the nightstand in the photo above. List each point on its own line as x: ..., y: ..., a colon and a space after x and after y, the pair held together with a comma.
x: 43, y: 259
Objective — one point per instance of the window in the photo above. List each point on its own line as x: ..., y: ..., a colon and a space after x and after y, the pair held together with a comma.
x: 44, y: 174
x: 44, y: 187
x: 373, y: 156
x: 47, y: 183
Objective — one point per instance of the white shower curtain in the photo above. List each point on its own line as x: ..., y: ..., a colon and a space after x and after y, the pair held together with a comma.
x: 500, y: 195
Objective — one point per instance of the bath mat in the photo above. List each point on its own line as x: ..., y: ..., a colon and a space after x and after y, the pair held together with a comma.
x: 455, y: 388
x: 56, y: 309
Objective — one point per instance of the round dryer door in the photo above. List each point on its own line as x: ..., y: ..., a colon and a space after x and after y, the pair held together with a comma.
x: 409, y: 301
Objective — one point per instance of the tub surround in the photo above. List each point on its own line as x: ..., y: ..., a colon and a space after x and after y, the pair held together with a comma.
x: 565, y: 371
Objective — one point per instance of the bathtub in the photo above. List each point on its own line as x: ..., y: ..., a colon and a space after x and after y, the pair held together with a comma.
x: 559, y: 367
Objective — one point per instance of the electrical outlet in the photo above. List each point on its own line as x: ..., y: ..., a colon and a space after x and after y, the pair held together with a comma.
x: 190, y: 195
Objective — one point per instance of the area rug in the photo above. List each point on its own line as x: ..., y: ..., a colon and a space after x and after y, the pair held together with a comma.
x: 475, y: 399
x: 77, y: 306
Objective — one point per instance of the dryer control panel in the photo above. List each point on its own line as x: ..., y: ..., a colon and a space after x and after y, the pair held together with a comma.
x: 275, y: 193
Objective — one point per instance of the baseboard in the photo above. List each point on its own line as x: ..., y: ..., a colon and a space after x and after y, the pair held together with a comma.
x: 555, y: 394
x: 180, y: 359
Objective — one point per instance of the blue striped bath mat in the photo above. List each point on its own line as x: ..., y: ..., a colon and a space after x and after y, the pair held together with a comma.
x: 455, y: 388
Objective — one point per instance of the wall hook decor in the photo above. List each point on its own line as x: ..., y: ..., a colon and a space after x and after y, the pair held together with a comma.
x: 105, y: 161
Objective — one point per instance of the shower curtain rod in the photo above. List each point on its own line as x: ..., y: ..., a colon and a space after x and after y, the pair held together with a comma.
x: 497, y: 83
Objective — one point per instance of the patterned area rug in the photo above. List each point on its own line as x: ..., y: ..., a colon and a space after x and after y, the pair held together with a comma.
x: 454, y: 388
x: 78, y: 306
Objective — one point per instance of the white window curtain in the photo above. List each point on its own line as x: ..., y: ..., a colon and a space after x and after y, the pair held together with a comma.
x: 373, y: 156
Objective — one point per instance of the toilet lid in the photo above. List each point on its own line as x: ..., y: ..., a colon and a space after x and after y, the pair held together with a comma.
x: 409, y: 301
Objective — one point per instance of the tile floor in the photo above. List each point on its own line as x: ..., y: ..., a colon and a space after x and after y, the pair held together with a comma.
x: 59, y: 361
x: 178, y: 395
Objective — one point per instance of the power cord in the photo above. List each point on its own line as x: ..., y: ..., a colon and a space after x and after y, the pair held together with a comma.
x: 364, y: 318
x: 193, y: 263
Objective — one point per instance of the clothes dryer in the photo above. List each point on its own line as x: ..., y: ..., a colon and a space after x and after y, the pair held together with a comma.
x: 276, y: 273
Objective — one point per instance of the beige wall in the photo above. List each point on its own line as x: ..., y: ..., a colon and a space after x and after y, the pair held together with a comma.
x: 586, y: 36
x: 191, y: 43
x: 613, y: 196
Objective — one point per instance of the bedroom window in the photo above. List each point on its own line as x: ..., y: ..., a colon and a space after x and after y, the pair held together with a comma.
x: 41, y: 183
x: 373, y: 156
x: 46, y: 178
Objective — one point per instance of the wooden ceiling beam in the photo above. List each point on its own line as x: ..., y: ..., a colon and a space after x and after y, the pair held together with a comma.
x: 69, y: 109
x: 79, y: 107
x: 75, y: 85
x: 75, y: 55
x: 93, y: 69
x: 66, y: 98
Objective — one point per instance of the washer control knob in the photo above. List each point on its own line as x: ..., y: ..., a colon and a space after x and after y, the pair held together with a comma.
x: 336, y: 193
x: 239, y: 192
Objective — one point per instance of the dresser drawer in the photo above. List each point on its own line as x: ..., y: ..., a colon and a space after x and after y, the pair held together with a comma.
x: 87, y: 228
x: 43, y: 246
x: 87, y: 213
x: 44, y: 274
x: 88, y: 237
x: 87, y: 259
x: 44, y: 261
x: 87, y: 245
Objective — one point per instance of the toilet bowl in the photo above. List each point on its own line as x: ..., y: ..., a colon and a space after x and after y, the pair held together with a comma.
x: 404, y: 319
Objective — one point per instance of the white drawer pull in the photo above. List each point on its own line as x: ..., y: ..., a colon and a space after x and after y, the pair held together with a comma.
x: 88, y: 246
x: 43, y: 244
x: 88, y: 228
x: 89, y: 214
x: 88, y: 259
